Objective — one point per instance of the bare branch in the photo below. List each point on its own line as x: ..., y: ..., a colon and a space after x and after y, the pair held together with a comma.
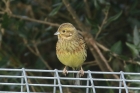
x: 87, y: 8
x: 7, y: 7
x: 116, y: 55
x: 74, y: 15
x: 101, y: 61
x: 91, y: 63
x: 8, y: 11
x: 102, y: 47
x: 32, y: 87
x: 42, y: 59
x: 37, y: 53
x: 33, y: 20
x: 103, y: 23
x: 26, y: 43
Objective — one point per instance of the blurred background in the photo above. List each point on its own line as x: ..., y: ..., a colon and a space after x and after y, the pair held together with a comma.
x: 27, y: 30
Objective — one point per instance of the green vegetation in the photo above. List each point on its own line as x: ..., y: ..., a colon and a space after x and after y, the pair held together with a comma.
x: 27, y: 28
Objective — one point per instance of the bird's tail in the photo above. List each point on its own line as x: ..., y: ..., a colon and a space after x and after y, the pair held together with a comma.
x: 76, y: 75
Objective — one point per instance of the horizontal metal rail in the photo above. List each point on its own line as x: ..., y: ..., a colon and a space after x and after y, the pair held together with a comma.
x: 59, y: 80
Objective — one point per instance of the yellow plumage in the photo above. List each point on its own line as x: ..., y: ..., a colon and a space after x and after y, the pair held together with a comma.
x: 70, y: 48
x: 71, y: 53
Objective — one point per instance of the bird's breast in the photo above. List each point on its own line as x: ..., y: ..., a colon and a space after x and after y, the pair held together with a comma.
x: 71, y: 53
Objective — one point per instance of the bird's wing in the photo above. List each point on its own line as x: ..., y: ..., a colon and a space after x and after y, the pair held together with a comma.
x: 82, y: 40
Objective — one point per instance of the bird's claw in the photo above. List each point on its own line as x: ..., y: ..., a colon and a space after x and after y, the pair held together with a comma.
x: 81, y: 72
x: 65, y: 71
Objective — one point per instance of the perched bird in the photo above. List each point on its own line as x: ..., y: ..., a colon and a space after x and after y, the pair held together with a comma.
x: 71, y: 47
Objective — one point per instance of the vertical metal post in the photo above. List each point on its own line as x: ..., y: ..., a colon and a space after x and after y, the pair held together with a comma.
x: 26, y: 82
x: 124, y: 83
x: 22, y: 83
x: 120, y: 84
x: 58, y: 79
x: 54, y: 88
x: 91, y: 80
x: 87, y: 89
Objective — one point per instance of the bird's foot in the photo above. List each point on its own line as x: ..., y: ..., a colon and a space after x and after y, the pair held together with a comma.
x: 81, y: 72
x: 65, y: 71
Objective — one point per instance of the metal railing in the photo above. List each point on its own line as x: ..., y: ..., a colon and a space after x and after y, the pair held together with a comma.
x: 22, y: 81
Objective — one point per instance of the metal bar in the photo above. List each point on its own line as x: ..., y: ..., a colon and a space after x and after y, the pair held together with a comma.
x: 14, y: 84
x: 62, y: 78
x: 120, y: 85
x: 54, y: 88
x: 22, y: 83
x: 26, y: 82
x: 95, y: 79
x: 73, y: 86
x: 66, y: 78
x: 91, y: 81
x: 124, y: 83
x: 8, y: 69
x: 87, y: 89
x: 58, y: 79
x: 60, y: 71
x: 9, y: 76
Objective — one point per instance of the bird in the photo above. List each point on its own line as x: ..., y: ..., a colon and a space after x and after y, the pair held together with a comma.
x: 70, y: 48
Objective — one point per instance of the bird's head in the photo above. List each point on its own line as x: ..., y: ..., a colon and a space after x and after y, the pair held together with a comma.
x: 66, y: 31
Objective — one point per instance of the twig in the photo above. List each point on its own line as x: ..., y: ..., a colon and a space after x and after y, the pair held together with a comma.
x: 37, y: 53
x: 74, y: 15
x: 91, y: 63
x: 87, y: 8
x: 103, y: 23
x: 94, y: 63
x: 133, y: 62
x: 7, y: 7
x: 102, y: 47
x: 32, y: 87
x: 26, y: 43
x: 8, y: 11
x: 1, y: 34
x: 101, y: 61
x: 116, y: 55
x: 33, y: 20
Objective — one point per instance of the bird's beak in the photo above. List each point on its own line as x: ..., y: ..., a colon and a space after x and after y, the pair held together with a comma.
x: 57, y: 33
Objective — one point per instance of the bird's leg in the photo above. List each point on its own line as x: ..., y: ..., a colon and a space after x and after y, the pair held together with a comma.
x: 65, y: 70
x: 81, y: 72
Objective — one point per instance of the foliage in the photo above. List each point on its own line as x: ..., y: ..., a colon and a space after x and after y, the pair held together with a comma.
x: 27, y: 28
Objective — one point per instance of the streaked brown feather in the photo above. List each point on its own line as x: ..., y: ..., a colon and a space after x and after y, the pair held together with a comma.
x: 71, y: 47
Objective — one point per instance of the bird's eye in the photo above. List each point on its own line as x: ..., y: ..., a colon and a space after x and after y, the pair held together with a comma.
x: 63, y: 31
